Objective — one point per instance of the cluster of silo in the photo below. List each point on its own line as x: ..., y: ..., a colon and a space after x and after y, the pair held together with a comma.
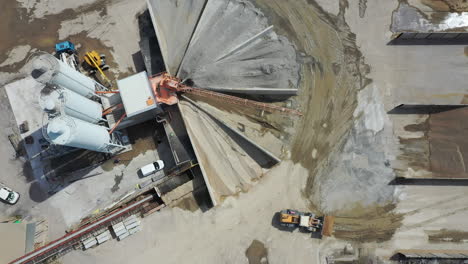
x: 75, y: 119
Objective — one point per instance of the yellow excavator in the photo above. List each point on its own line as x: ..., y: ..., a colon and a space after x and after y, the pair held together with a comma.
x: 95, y: 62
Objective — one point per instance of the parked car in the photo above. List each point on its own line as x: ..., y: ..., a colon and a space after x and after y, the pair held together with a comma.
x: 152, y: 168
x: 8, y: 195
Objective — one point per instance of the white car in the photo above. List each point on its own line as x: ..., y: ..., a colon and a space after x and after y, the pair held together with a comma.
x: 152, y: 168
x: 8, y: 195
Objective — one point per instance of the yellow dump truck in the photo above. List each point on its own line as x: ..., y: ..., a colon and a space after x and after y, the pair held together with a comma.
x: 306, y: 221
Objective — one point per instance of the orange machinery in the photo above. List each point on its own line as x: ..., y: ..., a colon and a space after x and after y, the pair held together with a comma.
x: 166, y: 87
x: 306, y: 221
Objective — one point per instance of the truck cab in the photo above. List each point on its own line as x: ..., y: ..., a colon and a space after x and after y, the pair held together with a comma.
x: 66, y: 47
x: 66, y: 52
x: 289, y: 218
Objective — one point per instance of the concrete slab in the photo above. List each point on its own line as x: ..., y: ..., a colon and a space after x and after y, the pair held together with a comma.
x: 227, y: 168
x: 23, y: 96
x: 174, y: 22
x: 12, y: 245
x: 245, y: 124
x: 247, y: 52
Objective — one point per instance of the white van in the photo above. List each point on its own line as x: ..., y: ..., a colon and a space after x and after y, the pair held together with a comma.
x: 152, y: 168
x: 8, y: 195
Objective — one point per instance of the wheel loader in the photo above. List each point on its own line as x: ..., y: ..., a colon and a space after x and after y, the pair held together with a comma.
x: 306, y: 221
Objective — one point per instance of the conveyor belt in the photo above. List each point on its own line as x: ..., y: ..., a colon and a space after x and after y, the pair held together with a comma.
x: 63, y: 242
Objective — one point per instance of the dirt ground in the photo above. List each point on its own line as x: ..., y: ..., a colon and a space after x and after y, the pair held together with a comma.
x: 42, y: 34
x: 222, y: 234
x: 434, y: 146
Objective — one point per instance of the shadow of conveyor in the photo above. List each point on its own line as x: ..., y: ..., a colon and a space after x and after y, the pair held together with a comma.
x: 150, y: 53
x: 428, y: 41
x: 429, y: 182
x: 407, y: 109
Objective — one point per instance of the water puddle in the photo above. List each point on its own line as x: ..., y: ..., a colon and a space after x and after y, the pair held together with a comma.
x: 257, y: 253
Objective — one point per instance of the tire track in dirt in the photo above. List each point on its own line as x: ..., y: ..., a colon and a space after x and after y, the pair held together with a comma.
x: 379, y: 224
x: 333, y: 73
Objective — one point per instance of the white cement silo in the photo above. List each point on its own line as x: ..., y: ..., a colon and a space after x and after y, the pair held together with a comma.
x: 72, y: 132
x: 48, y: 69
x: 57, y: 100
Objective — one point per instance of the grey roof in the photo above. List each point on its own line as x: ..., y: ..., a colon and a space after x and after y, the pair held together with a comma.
x: 136, y: 94
x: 174, y: 23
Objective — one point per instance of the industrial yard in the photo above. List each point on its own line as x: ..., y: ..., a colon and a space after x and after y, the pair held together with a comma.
x: 233, y: 131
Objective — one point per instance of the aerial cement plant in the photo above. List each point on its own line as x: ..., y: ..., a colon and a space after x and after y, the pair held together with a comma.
x: 233, y: 131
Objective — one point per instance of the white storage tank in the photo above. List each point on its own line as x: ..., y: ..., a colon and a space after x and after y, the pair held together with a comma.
x: 72, y: 132
x: 57, y: 100
x: 48, y: 69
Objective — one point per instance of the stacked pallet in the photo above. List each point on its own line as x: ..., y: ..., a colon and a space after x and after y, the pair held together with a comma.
x: 103, y: 237
x: 94, y: 240
x: 89, y: 242
x: 128, y: 226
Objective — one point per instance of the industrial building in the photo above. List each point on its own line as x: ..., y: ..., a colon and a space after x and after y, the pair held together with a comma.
x: 81, y: 113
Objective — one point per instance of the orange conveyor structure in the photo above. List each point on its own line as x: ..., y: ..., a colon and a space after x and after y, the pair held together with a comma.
x: 166, y: 87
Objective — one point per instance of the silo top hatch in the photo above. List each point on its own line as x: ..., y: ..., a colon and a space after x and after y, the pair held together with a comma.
x: 136, y: 94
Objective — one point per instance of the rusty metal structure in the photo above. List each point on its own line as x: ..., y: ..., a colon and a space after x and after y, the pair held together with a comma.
x: 166, y: 88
